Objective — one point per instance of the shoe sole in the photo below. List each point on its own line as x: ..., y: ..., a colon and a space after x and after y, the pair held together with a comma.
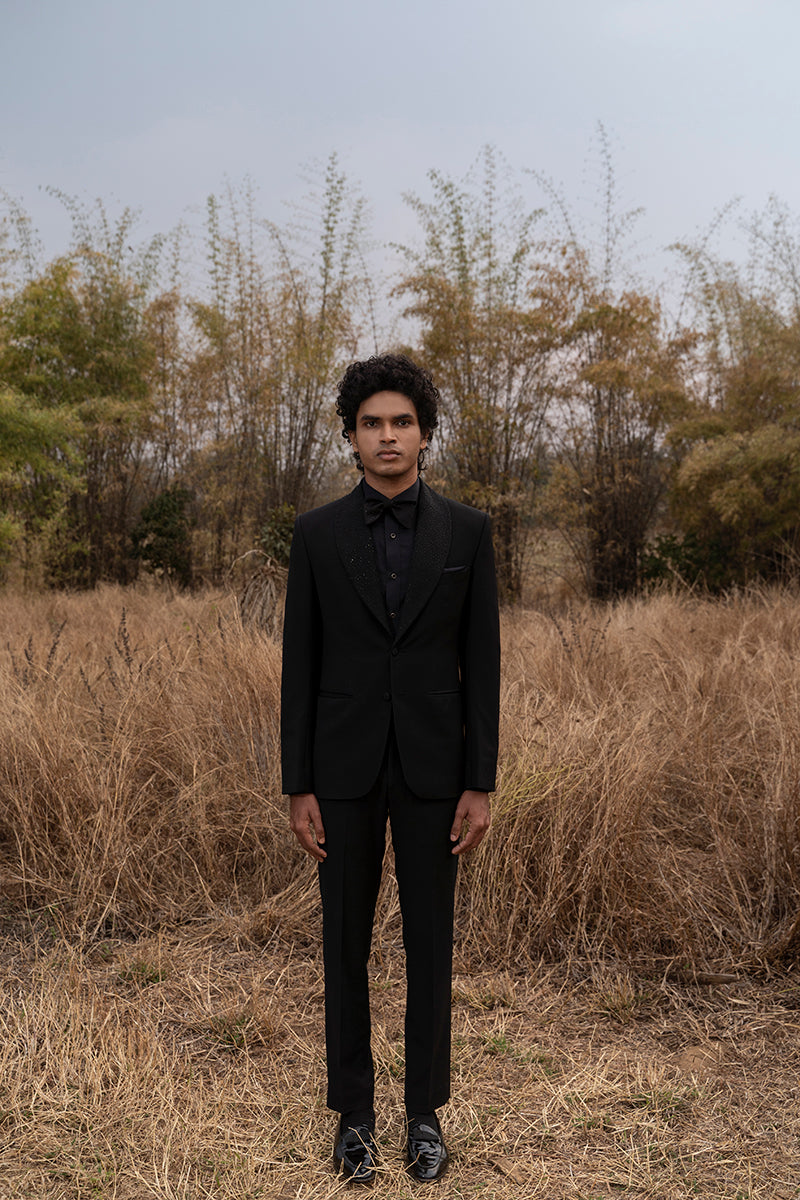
x: 434, y: 1179
x: 353, y: 1179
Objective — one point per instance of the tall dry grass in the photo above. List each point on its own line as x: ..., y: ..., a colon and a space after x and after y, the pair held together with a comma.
x: 648, y: 805
x: 650, y: 794
x: 138, y: 772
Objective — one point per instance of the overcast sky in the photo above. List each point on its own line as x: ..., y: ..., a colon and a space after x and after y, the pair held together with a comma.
x: 154, y: 103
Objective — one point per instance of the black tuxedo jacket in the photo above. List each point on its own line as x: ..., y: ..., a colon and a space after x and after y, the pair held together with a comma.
x: 349, y: 669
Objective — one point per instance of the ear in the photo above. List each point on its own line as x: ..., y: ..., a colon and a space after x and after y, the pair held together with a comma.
x: 351, y: 433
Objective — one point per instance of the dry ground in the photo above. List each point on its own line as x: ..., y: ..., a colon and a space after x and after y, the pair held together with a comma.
x: 190, y: 1065
x: 627, y: 1001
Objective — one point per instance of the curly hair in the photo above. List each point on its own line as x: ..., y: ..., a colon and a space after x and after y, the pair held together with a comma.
x: 388, y: 373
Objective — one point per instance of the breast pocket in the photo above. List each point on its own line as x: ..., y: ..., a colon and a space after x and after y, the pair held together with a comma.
x: 454, y: 577
x: 451, y: 590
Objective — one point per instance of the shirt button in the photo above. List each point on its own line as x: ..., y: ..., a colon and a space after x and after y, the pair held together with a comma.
x: 393, y: 575
x: 392, y: 535
x: 395, y: 652
x: 393, y: 615
x: 387, y: 695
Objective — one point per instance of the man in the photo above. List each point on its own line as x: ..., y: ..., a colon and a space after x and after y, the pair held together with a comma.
x: 389, y: 708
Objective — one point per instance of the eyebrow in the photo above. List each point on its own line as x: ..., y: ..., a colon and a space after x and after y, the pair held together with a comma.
x: 402, y: 416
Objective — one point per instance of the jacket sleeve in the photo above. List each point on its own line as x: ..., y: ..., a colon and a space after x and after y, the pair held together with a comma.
x: 300, y: 670
x: 480, y: 669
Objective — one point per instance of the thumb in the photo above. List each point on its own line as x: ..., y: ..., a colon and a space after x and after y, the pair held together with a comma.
x: 458, y: 821
x: 319, y: 828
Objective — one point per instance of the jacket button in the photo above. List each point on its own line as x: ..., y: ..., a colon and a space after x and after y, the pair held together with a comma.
x: 387, y: 695
x: 395, y: 652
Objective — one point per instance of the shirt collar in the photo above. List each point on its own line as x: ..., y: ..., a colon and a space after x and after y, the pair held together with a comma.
x: 411, y: 493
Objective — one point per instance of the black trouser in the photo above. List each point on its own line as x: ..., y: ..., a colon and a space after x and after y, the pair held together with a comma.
x: 349, y: 879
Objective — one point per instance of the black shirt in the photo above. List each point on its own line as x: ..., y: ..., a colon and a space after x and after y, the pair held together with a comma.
x: 394, y: 543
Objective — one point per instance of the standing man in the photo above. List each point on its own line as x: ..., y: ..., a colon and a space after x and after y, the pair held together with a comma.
x: 391, y: 665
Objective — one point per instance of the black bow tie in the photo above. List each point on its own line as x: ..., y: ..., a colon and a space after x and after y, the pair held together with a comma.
x: 401, y: 510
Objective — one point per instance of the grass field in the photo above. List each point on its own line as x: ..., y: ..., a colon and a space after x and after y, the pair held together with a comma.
x: 627, y: 998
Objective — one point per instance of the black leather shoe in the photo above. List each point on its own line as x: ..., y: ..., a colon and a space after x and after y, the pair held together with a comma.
x: 427, y: 1153
x: 355, y: 1153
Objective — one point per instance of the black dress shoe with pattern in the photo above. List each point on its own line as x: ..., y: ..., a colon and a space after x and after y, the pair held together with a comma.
x: 355, y: 1152
x: 427, y: 1153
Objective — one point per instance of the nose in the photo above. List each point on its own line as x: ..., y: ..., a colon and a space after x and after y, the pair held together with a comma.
x: 388, y: 433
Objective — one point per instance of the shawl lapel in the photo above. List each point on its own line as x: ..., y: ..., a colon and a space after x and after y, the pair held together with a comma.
x: 431, y: 546
x: 357, y: 552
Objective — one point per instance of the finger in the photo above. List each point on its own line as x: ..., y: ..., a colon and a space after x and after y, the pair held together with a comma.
x: 316, y: 852
x: 319, y: 828
x: 474, y: 836
x: 307, y: 841
x: 458, y: 821
x: 465, y: 844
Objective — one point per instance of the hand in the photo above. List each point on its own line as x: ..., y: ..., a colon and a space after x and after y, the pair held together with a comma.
x: 473, y: 817
x: 305, y: 820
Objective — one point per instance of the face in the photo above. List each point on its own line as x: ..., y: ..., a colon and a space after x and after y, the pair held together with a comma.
x: 388, y: 439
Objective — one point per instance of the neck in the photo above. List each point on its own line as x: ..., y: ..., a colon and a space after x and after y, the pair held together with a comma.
x: 391, y: 487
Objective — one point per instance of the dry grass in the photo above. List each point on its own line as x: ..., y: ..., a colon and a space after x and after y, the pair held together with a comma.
x: 138, y: 772
x: 183, y: 1066
x: 626, y: 1006
x: 650, y: 779
x: 650, y: 786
